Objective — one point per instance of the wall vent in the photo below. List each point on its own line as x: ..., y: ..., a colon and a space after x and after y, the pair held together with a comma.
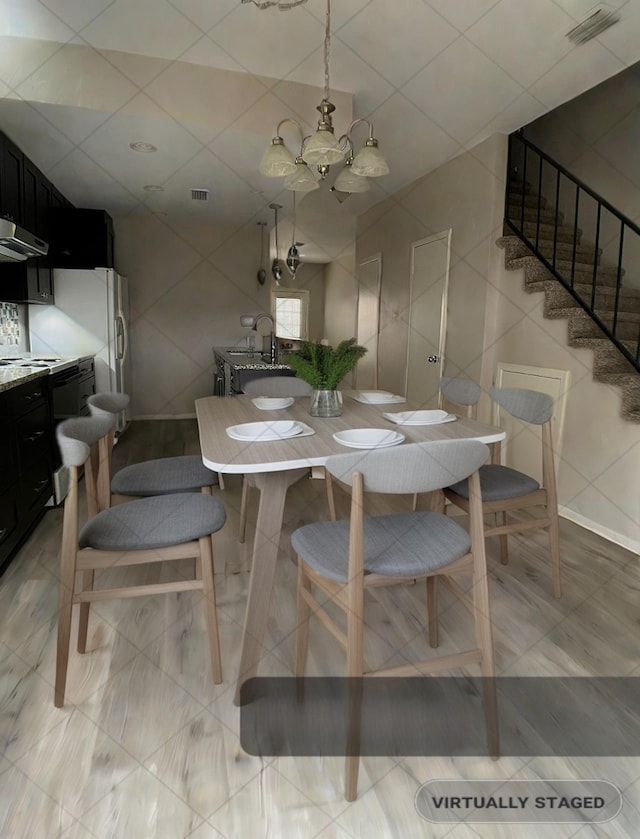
x: 199, y: 194
x: 592, y: 26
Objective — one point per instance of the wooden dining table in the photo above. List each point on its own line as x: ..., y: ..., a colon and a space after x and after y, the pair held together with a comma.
x: 276, y: 465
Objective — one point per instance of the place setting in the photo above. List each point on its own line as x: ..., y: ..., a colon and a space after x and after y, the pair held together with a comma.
x: 272, y: 403
x: 265, y: 432
x: 377, y: 397
x: 431, y: 417
x: 368, y: 438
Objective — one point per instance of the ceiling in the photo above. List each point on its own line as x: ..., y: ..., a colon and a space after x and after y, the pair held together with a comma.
x: 207, y: 81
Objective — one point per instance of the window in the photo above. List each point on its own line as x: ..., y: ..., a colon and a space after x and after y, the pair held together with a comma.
x: 290, y: 311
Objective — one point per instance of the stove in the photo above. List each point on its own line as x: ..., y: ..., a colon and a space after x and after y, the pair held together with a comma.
x: 50, y: 362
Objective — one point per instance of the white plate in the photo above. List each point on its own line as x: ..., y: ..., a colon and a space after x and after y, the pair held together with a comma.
x: 420, y: 417
x: 377, y: 397
x: 368, y: 438
x: 263, y: 432
x: 272, y: 403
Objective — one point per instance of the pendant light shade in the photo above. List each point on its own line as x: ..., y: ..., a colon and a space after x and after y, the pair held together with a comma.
x: 369, y: 161
x: 301, y: 180
x: 293, y: 259
x: 348, y: 181
x: 277, y: 161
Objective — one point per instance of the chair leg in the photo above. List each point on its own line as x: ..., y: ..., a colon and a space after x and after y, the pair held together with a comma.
x: 83, y: 624
x: 414, y: 503
x: 432, y: 611
x: 302, y: 627
x: 355, y: 669
x: 331, y: 501
x: 67, y: 581
x: 484, y: 639
x: 220, y: 481
x: 209, y: 591
x: 554, y: 544
x: 504, y: 546
x: 243, y: 510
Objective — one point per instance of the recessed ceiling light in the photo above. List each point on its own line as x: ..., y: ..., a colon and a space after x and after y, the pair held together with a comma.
x: 141, y: 146
x: 153, y: 188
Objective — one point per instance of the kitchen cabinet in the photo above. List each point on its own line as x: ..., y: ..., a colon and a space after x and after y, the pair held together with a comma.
x: 25, y: 462
x: 29, y: 199
x: 234, y: 367
x: 11, y: 183
x: 82, y: 238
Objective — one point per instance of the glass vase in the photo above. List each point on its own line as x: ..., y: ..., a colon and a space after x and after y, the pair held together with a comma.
x: 326, y: 403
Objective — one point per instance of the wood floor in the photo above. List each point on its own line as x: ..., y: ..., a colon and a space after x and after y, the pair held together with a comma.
x: 147, y: 746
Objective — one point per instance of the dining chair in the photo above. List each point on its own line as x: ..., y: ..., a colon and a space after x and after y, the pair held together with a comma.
x: 161, y: 476
x: 505, y: 490
x: 149, y: 530
x: 277, y: 386
x: 343, y: 559
x: 461, y: 394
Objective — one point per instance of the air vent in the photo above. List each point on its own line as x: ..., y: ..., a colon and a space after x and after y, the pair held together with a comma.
x: 593, y: 26
x: 199, y: 194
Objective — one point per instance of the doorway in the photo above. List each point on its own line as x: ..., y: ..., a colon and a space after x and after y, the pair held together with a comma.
x: 430, y: 259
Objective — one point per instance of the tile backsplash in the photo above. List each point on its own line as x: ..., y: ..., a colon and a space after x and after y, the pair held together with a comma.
x: 10, y: 323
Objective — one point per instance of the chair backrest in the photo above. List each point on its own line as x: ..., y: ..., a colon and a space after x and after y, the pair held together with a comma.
x: 277, y: 386
x: 417, y: 467
x: 460, y: 391
x: 528, y: 405
x: 107, y: 403
x: 81, y: 441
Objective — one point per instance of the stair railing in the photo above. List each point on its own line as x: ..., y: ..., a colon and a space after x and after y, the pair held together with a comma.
x: 612, y: 233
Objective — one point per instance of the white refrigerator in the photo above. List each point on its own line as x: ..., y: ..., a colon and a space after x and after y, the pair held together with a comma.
x: 90, y: 317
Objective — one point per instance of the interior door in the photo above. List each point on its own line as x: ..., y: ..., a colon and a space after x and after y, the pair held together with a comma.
x: 368, y: 320
x: 427, y: 318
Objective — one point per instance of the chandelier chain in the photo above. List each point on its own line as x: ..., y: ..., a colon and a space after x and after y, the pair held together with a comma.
x: 327, y: 50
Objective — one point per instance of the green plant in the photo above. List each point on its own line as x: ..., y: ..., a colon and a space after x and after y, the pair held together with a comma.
x: 324, y: 367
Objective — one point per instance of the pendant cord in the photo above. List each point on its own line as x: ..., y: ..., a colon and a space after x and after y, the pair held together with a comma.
x: 327, y: 51
x: 293, y: 234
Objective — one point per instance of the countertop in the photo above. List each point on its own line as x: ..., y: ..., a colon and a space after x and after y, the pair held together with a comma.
x: 21, y: 373
x: 242, y: 358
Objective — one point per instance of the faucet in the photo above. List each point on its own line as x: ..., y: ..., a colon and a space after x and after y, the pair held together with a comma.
x: 273, y: 345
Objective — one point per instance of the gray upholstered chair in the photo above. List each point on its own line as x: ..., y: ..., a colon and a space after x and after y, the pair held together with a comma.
x: 162, y: 476
x: 460, y: 394
x: 343, y: 558
x: 276, y: 386
x: 506, y: 490
x: 158, y: 529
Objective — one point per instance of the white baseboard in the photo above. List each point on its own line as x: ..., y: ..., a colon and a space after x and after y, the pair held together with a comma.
x: 600, y: 530
x: 163, y: 416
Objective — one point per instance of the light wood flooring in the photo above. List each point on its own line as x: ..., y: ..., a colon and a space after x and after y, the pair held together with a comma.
x: 147, y: 746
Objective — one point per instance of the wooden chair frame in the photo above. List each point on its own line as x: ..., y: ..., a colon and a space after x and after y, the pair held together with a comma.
x: 87, y: 560
x: 546, y: 497
x: 350, y: 599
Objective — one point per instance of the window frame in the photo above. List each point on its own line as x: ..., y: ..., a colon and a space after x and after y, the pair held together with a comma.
x: 298, y: 294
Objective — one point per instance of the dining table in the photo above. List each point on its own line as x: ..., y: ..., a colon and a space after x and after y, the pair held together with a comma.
x: 275, y: 465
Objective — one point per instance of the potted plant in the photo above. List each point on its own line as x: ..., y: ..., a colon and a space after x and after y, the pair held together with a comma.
x: 324, y: 367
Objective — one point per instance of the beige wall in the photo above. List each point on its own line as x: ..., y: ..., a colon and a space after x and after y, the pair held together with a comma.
x: 189, y: 284
x: 466, y: 195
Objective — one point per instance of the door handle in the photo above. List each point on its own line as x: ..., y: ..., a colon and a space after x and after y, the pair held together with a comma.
x: 433, y: 359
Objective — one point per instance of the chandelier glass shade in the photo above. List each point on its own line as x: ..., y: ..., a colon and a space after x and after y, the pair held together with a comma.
x: 322, y: 149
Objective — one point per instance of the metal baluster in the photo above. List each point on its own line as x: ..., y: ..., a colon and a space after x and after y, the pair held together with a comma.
x: 555, y: 229
x: 595, y: 259
x: 539, y: 207
x: 575, y: 238
x: 618, y: 281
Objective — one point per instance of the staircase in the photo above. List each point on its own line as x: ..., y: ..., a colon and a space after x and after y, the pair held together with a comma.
x: 615, y: 305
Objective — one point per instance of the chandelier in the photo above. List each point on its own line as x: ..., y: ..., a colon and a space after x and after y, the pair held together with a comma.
x: 322, y: 149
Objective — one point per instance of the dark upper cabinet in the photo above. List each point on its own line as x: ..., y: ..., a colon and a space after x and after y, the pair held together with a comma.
x: 30, y: 199
x: 11, y: 180
x: 82, y: 238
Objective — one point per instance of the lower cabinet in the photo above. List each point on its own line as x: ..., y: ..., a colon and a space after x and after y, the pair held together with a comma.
x: 25, y: 482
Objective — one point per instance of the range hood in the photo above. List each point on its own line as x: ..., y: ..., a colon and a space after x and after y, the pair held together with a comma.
x: 17, y: 244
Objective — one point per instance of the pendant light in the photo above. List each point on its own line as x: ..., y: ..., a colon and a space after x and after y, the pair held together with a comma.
x: 293, y: 254
x: 321, y: 149
x: 276, y: 265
